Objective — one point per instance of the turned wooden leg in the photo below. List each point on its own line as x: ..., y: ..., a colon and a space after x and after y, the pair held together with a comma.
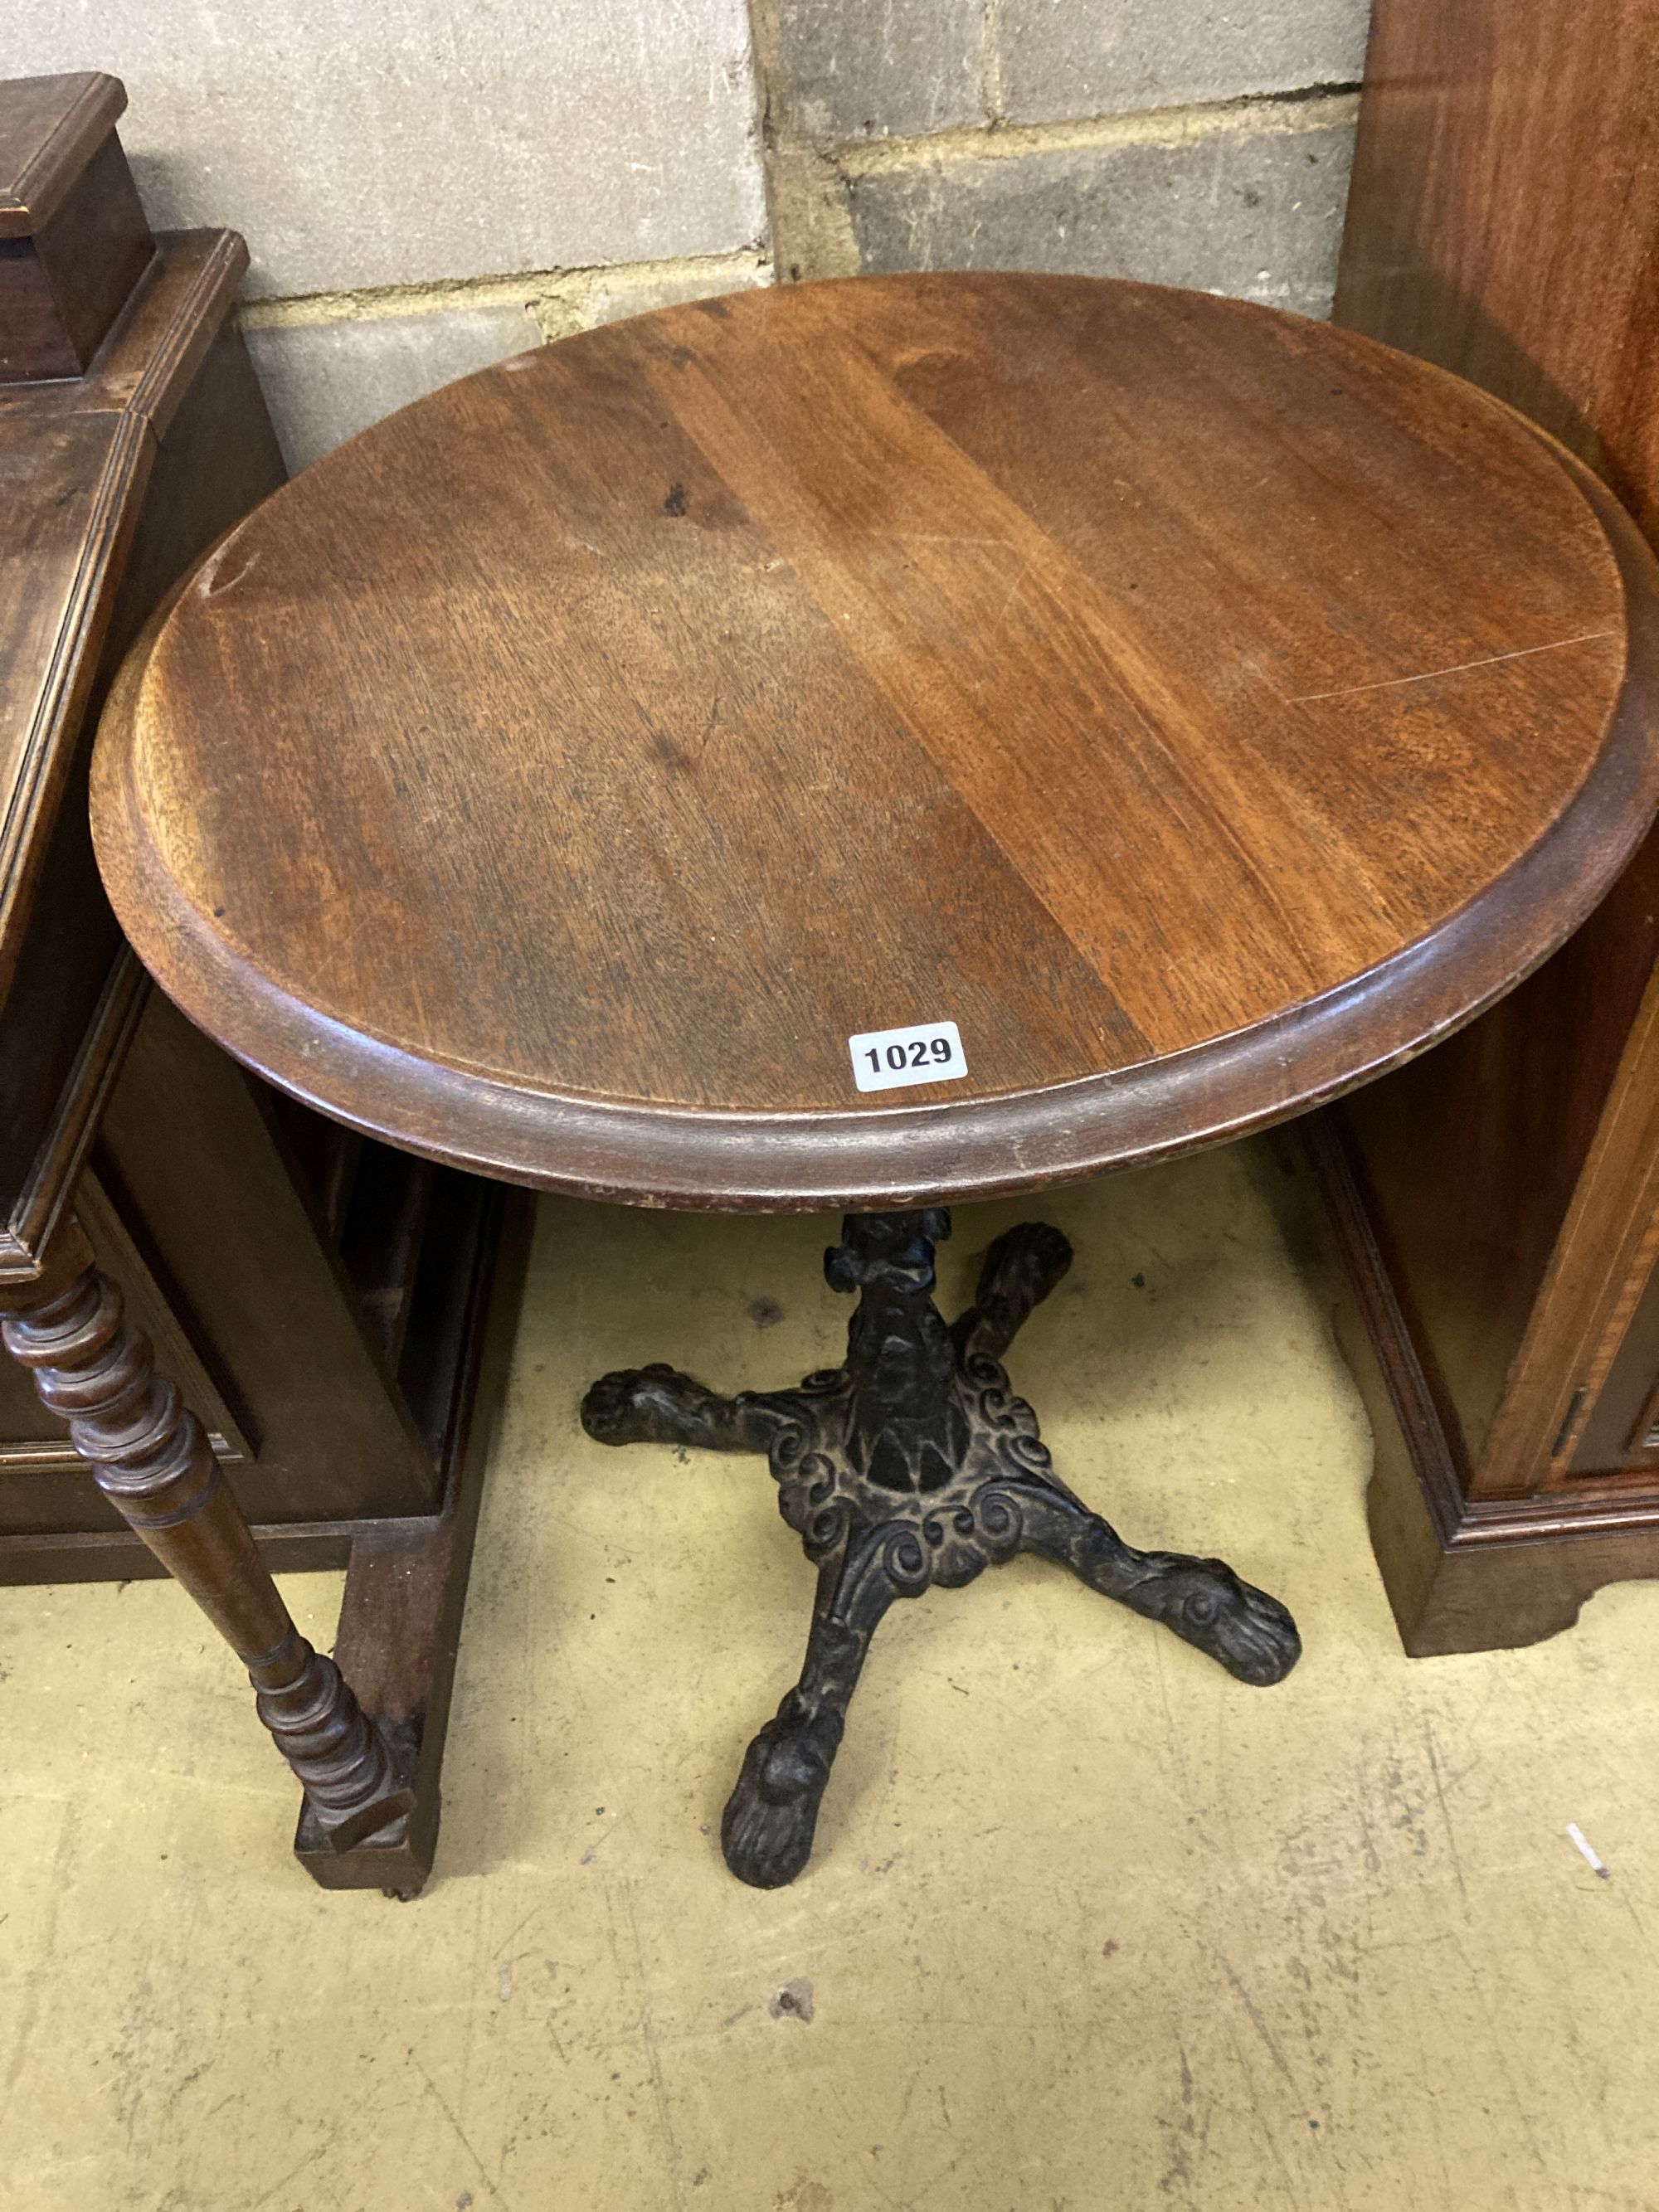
x: 151, y: 1460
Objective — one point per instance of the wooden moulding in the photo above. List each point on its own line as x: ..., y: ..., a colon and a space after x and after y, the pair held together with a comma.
x: 1461, y: 1574
x: 74, y: 240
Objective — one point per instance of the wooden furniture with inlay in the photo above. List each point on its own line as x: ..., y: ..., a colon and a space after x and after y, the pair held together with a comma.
x: 1201, y: 710
x: 323, y: 1304
x: 1499, y: 1201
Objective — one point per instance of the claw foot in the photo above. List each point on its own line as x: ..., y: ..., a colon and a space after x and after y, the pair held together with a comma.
x: 654, y: 1405
x: 1204, y: 1601
x: 766, y: 1831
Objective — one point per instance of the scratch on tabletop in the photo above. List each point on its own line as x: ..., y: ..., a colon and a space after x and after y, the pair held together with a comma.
x: 1428, y: 675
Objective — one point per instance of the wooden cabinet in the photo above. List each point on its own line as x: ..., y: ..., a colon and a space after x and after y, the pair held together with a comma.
x: 335, y: 1312
x: 1498, y: 1199
x: 319, y: 1327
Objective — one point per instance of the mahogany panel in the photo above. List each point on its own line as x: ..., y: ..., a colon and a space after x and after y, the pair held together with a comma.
x: 1505, y: 213
x: 1473, y: 1157
x: 1504, y: 223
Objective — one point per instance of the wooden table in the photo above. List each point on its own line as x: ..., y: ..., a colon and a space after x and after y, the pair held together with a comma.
x: 1138, y: 713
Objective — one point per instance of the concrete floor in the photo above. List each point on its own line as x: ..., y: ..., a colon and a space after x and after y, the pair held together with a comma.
x: 1090, y: 1925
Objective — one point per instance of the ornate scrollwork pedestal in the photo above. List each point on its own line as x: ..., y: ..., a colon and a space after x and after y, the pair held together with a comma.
x: 912, y: 1465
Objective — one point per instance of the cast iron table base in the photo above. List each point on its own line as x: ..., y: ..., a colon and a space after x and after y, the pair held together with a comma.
x: 913, y: 1465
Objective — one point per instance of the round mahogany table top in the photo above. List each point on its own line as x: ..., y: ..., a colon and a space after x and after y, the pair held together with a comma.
x: 1201, y: 707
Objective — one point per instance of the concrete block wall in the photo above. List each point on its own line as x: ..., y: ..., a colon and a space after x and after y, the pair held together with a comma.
x: 428, y: 185
x: 1185, y: 142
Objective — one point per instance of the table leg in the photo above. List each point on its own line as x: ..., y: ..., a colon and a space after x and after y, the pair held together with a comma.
x: 913, y: 1467
x: 151, y: 1458
x: 766, y: 1832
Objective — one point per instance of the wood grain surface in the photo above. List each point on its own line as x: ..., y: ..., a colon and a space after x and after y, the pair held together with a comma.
x: 1503, y: 223
x: 1505, y: 212
x: 1200, y: 707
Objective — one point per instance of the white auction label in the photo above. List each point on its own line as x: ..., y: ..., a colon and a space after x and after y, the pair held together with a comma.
x: 926, y: 1052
